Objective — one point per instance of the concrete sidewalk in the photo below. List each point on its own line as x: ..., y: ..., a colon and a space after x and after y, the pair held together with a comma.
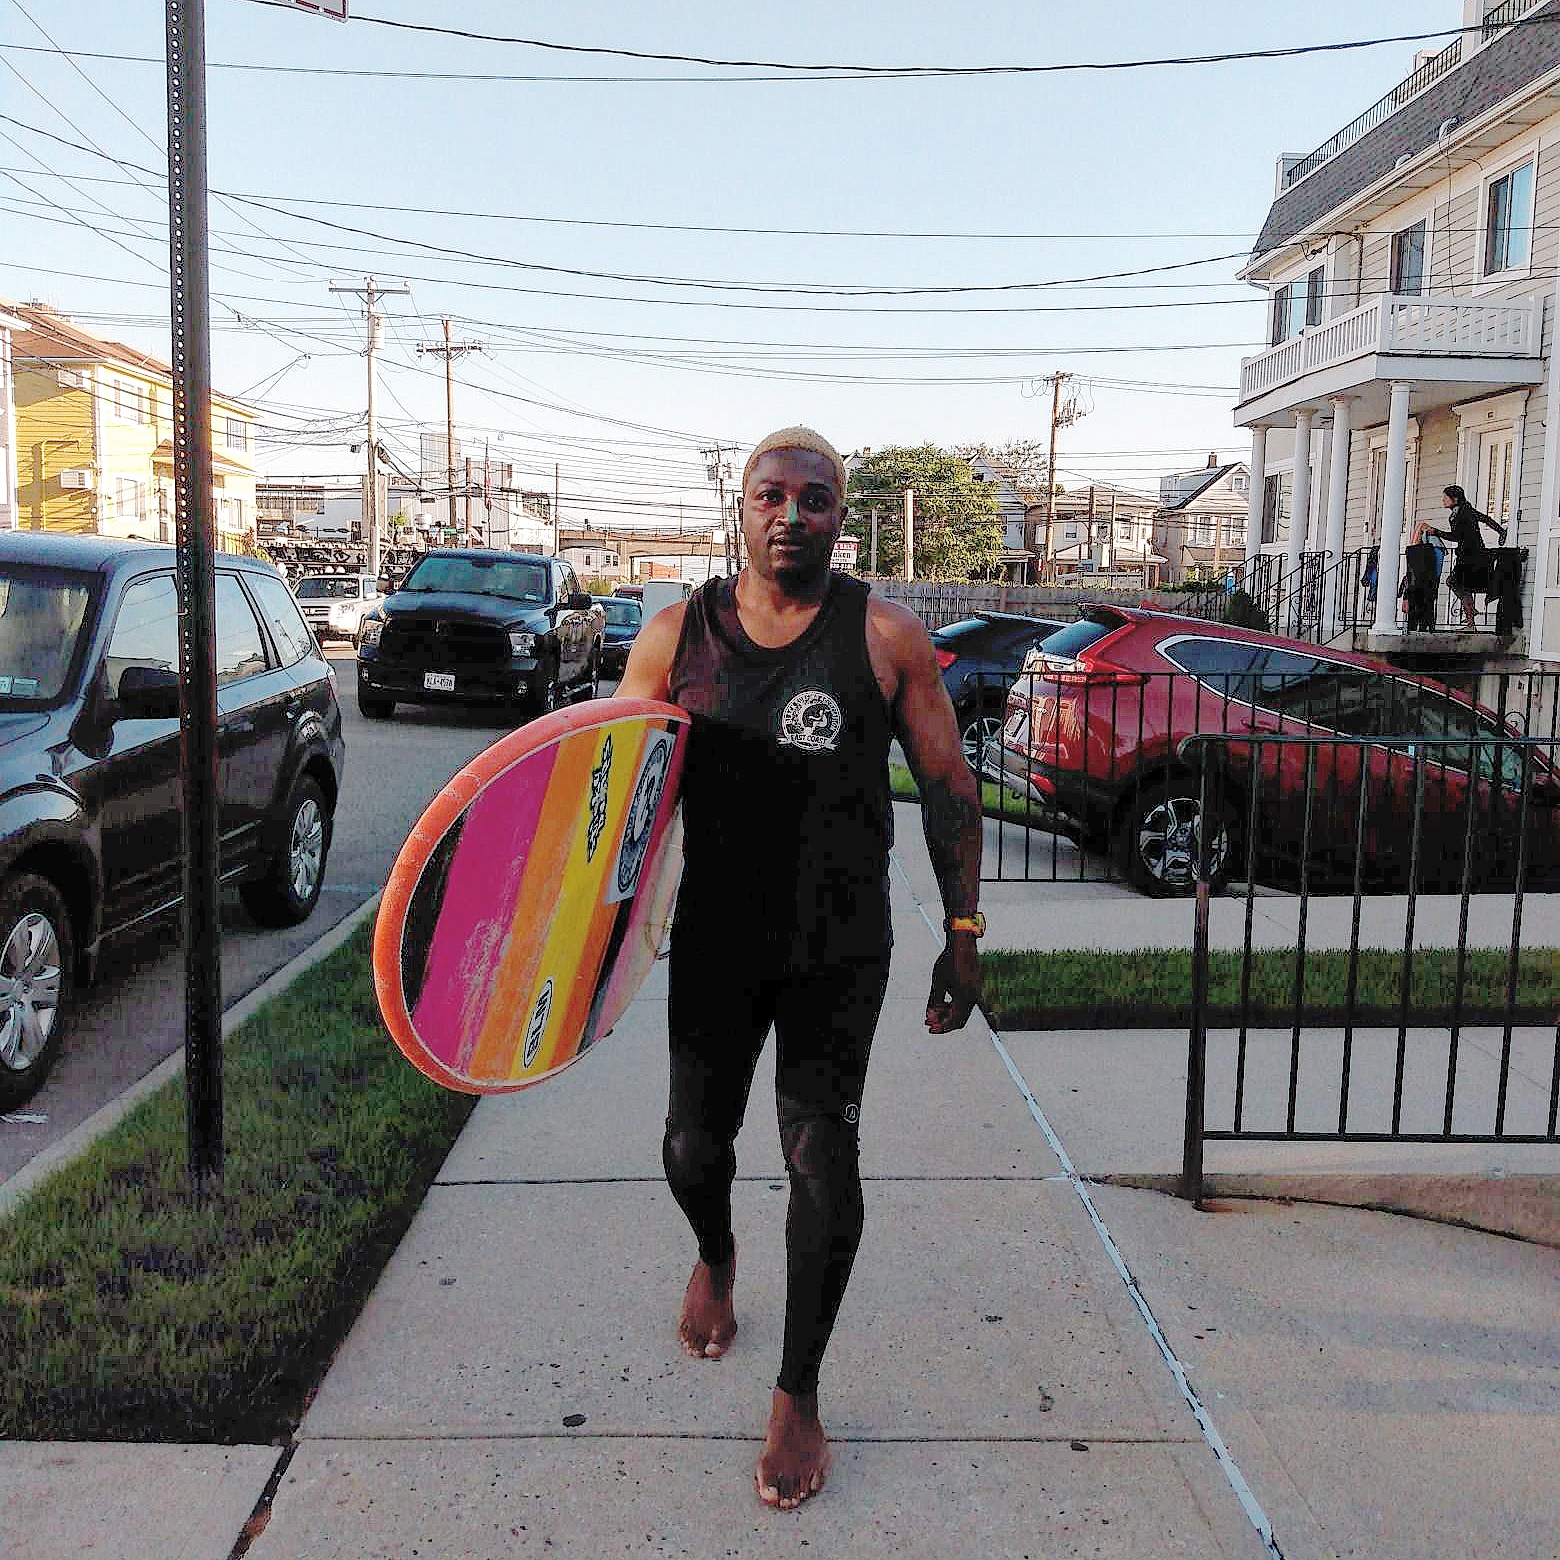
x: 1028, y: 1362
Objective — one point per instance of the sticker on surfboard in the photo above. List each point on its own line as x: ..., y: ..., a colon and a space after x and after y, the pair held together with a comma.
x: 533, y: 895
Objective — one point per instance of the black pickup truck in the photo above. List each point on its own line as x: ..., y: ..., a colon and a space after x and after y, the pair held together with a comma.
x: 477, y: 626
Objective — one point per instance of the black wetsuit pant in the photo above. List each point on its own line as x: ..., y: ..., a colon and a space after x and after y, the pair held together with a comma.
x: 719, y: 1013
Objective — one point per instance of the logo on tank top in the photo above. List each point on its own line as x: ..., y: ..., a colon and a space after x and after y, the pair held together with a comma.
x: 811, y: 721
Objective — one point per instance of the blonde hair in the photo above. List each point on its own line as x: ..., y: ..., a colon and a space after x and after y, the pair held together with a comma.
x: 799, y: 438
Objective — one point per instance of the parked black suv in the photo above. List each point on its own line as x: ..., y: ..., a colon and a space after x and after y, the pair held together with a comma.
x: 475, y: 626
x: 981, y: 657
x: 91, y: 827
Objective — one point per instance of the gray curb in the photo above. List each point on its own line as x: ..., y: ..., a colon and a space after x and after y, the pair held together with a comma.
x: 79, y: 1138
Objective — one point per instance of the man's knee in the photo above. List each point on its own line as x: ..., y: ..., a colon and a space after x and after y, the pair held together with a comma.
x: 694, y: 1156
x: 821, y: 1148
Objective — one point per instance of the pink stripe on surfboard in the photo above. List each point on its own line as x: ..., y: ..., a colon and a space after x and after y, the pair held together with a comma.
x: 479, y: 895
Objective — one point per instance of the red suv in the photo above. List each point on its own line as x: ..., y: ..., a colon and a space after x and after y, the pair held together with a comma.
x: 1095, y: 730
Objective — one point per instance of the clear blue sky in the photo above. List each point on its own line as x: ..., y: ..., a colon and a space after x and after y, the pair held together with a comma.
x: 1128, y: 169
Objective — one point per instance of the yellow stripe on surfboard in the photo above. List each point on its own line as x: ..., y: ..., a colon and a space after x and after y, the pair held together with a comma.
x: 577, y: 938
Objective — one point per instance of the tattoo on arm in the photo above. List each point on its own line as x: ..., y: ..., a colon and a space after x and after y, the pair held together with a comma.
x: 952, y: 822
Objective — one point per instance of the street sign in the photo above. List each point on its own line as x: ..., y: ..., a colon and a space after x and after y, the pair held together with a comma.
x: 333, y: 8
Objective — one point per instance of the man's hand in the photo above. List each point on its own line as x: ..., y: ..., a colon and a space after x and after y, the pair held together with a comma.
x: 955, y: 985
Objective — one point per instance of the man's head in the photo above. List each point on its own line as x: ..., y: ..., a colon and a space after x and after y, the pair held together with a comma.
x: 793, y: 505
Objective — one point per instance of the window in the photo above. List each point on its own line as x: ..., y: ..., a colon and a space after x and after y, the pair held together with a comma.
x: 1276, y: 493
x: 1124, y: 530
x: 1234, y: 531
x: 1508, y: 220
x: 1408, y: 260
x: 282, y: 617
x: 237, y: 433
x: 129, y: 499
x: 1241, y: 483
x: 129, y: 401
x: 146, y: 632
x: 1225, y: 665
x: 240, y: 649
x: 1297, y: 304
x: 1199, y: 530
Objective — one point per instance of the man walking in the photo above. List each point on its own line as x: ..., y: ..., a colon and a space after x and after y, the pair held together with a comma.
x: 798, y: 680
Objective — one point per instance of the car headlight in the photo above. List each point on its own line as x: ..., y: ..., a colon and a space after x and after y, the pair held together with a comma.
x: 521, y: 642
x: 372, y: 628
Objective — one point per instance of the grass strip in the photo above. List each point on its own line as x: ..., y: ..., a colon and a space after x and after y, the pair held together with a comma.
x: 133, y: 1308
x: 994, y: 801
x: 1036, y: 990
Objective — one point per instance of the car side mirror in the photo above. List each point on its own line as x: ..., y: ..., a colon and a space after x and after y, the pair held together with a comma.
x: 148, y: 693
x: 579, y: 602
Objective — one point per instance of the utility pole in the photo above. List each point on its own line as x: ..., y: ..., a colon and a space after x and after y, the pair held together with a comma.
x: 872, y: 566
x: 909, y: 533
x: 371, y: 292
x: 449, y: 351
x: 1048, y: 565
x: 717, y: 471
x: 555, y: 509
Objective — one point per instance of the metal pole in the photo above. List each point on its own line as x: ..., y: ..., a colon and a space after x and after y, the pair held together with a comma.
x: 371, y: 498
x: 449, y: 418
x: 1191, y: 1189
x: 1047, y: 566
x: 555, y: 509
x: 196, y: 580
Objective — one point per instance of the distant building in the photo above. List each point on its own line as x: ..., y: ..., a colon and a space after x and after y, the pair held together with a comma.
x: 94, y: 437
x: 1201, y: 520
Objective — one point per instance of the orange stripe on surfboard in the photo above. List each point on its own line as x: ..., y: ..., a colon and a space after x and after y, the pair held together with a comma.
x: 504, y: 1025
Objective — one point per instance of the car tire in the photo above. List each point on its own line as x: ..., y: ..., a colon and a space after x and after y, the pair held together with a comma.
x: 593, y: 681
x: 372, y: 706
x: 1160, y: 835
x: 978, y: 725
x: 546, y: 701
x: 289, y: 889
x: 37, y: 971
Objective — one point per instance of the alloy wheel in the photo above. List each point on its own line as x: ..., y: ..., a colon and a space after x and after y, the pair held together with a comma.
x: 1169, y: 836
x: 29, y: 990
x: 306, y: 849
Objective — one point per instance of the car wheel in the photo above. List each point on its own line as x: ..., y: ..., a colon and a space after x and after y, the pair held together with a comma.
x: 549, y: 698
x: 977, y: 727
x: 1161, y: 834
x: 593, y: 681
x: 37, y: 966
x: 290, y: 888
x: 372, y: 706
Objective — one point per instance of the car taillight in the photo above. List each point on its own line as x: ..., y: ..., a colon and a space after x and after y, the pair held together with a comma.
x: 945, y: 658
x: 1081, y: 674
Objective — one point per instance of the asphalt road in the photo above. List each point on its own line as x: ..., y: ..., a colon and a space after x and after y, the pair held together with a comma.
x: 133, y: 1016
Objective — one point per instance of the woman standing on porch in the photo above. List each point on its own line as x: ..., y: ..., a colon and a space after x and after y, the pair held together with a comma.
x: 1471, y: 565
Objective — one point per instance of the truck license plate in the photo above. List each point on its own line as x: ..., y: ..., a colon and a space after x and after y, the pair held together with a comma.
x: 439, y: 682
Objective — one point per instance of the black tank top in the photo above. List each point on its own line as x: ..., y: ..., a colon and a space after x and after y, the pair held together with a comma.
x: 787, y: 819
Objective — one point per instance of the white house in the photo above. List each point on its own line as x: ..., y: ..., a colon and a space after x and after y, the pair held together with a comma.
x: 1411, y: 264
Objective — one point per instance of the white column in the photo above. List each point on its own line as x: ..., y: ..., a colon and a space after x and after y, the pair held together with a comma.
x: 1255, y: 492
x: 1338, y: 491
x: 1299, y: 518
x: 1389, y: 565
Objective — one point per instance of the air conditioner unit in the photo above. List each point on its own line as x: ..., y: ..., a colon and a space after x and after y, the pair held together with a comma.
x: 77, y: 477
x: 71, y: 378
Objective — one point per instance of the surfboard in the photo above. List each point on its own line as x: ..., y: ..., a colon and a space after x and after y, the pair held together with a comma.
x: 533, y: 895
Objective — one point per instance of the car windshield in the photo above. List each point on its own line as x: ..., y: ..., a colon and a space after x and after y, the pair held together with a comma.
x: 318, y: 587
x: 480, y: 577
x: 41, y: 613
x: 622, y: 613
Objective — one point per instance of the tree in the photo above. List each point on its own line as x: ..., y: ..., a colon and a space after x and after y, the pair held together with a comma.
x: 958, y: 526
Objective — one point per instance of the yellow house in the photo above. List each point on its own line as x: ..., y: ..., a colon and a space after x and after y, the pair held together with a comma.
x: 94, y: 438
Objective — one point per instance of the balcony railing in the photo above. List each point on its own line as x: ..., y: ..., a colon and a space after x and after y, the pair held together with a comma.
x: 1394, y: 324
x: 1405, y: 91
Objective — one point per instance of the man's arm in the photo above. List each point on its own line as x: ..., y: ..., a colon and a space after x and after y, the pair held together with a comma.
x: 649, y: 671
x: 950, y: 805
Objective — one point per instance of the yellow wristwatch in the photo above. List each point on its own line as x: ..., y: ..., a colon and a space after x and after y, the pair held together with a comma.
x: 974, y: 923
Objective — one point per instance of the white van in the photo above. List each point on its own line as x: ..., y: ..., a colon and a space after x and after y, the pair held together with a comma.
x: 662, y: 593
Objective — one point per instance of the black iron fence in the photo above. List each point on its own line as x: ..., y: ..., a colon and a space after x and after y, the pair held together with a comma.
x: 1086, y: 775
x: 1378, y: 1044
x: 1326, y: 603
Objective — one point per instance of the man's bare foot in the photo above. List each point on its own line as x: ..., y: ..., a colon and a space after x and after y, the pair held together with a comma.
x: 796, y: 1459
x: 709, y: 1319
